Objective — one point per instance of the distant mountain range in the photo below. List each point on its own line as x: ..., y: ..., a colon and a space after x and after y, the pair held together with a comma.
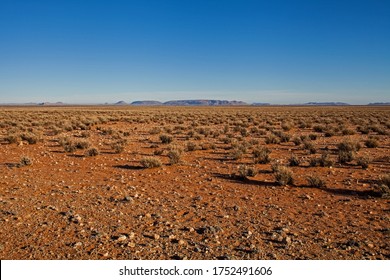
x: 326, y: 104
x: 193, y: 102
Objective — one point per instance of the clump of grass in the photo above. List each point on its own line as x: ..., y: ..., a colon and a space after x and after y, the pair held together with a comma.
x: 151, y: 162
x: 383, y: 187
x: 261, y: 155
x: 363, y: 162
x: 294, y: 160
x: 272, y: 139
x: 309, y: 146
x: 166, y: 139
x: 174, y: 156
x: 245, y: 171
x: 31, y: 138
x: 191, y: 146
x: 371, y: 143
x: 92, y: 152
x: 119, y: 146
x: 315, y: 182
x: 283, y: 176
x: 297, y: 141
x: 25, y: 161
x: 325, y: 160
x: 237, y: 154
x: 12, y: 138
x: 347, y: 150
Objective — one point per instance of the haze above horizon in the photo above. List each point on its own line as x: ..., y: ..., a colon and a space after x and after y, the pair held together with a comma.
x: 280, y: 52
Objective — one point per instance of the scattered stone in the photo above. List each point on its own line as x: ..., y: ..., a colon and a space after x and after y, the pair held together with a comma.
x: 122, y: 238
x: 286, y: 240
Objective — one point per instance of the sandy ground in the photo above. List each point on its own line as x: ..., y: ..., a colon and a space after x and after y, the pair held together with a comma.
x: 66, y: 205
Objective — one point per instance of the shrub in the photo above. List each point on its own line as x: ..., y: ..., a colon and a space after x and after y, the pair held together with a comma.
x: 371, y: 143
x: 174, y: 156
x: 345, y: 156
x: 31, y: 138
x: 191, y: 146
x: 272, y: 139
x: 384, y: 186
x: 245, y: 171
x: 24, y: 161
x: 12, y: 138
x: 283, y: 176
x: 261, y: 155
x: 297, y: 141
x: 325, y: 160
x: 363, y: 162
x: 91, y: 152
x: 166, y: 139
x: 82, y: 145
x: 310, y: 147
x: 294, y: 160
x: 236, y: 154
x: 315, y: 182
x: 118, y: 147
x: 348, y: 145
x: 150, y: 162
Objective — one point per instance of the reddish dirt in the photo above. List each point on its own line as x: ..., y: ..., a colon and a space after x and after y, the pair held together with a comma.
x: 66, y: 205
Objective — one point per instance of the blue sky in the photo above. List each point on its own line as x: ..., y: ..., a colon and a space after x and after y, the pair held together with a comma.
x: 256, y: 51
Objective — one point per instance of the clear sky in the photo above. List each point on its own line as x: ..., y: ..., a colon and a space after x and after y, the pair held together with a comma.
x: 90, y: 51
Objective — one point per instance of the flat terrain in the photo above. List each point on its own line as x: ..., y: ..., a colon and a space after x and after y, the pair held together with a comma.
x: 194, y: 182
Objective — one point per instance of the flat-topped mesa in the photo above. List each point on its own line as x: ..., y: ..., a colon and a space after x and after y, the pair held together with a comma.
x: 204, y: 102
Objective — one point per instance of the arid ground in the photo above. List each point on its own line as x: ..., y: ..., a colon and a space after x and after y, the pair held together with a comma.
x: 194, y: 182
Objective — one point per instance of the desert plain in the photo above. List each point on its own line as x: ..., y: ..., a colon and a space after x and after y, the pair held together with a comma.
x: 238, y: 182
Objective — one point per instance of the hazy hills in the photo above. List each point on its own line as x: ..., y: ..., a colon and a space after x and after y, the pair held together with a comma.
x: 192, y: 102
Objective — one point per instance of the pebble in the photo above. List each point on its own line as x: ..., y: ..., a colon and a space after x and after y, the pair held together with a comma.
x: 122, y: 238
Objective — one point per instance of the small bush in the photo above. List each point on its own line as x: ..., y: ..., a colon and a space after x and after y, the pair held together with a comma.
x: 384, y: 186
x: 349, y: 146
x: 174, y: 156
x: 151, y: 162
x: 31, y: 138
x: 371, y: 143
x: 245, y: 171
x: 310, y: 147
x: 272, y: 139
x: 315, y: 182
x: 325, y: 161
x: 346, y: 156
x: 294, y: 160
x: 166, y: 139
x: 283, y: 176
x: 24, y: 161
x: 297, y: 141
x: 191, y: 146
x: 92, y: 152
x: 236, y: 154
x: 12, y: 138
x: 363, y: 162
x: 261, y: 155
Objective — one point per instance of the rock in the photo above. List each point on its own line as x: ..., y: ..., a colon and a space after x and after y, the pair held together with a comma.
x: 286, y: 240
x: 122, y: 238
x: 156, y: 237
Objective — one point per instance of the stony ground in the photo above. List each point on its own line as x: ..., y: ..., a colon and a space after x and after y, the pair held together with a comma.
x: 58, y: 204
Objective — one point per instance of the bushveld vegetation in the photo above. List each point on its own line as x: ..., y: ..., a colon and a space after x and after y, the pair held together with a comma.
x: 221, y: 182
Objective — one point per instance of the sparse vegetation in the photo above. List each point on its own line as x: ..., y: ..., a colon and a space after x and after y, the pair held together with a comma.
x: 315, y: 182
x: 151, y: 162
x: 283, y: 176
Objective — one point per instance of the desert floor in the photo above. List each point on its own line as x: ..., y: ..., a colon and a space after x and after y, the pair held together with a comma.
x: 79, y: 182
